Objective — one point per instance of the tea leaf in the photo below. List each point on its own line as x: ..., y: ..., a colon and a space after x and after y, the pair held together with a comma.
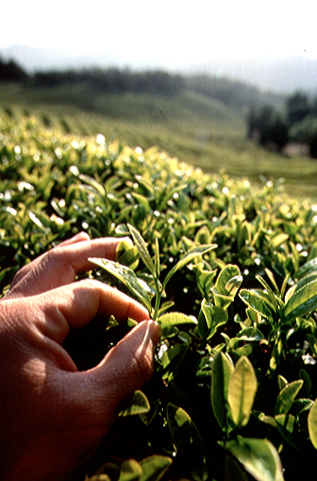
x: 142, y: 248
x: 171, y: 360
x: 278, y: 303
x: 286, y: 424
x: 185, y: 435
x: 307, y: 268
x: 93, y: 183
x: 287, y: 396
x: 189, y: 256
x: 257, y: 301
x: 303, y: 301
x: 127, y: 277
x: 278, y: 240
x: 175, y: 319
x: 154, y: 467
x: 222, y: 370
x: 312, y: 424
x: 258, y: 456
x: 228, y: 280
x: 241, y: 391
x: 139, y: 404
x: 213, y: 317
x: 130, y: 471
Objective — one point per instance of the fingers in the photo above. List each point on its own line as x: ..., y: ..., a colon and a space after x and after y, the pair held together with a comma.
x: 81, y: 236
x: 126, y: 368
x: 60, y: 265
x: 77, y: 304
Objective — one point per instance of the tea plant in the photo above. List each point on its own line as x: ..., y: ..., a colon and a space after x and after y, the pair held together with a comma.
x: 228, y: 271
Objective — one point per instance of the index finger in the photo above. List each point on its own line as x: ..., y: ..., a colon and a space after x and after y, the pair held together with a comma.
x: 60, y: 265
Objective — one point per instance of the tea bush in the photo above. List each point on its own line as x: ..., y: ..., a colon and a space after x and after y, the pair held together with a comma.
x: 230, y: 273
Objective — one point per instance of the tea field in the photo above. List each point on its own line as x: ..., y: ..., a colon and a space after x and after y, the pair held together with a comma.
x: 227, y: 267
x: 197, y: 129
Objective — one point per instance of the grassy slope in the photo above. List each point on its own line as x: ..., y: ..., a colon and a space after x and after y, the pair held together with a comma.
x: 197, y: 129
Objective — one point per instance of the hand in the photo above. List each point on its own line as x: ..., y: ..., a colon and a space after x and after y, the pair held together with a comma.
x: 53, y: 417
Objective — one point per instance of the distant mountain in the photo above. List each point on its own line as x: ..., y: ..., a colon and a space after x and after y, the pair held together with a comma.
x: 36, y: 59
x: 283, y: 76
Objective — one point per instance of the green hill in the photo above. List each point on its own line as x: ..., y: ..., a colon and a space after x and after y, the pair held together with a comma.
x: 192, y: 126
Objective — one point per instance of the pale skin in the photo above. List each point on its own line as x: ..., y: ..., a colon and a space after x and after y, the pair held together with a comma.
x: 52, y: 416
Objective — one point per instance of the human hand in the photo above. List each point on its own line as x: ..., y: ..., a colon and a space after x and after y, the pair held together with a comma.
x: 53, y: 417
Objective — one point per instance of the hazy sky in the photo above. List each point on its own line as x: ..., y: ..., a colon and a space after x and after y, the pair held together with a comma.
x: 170, y: 32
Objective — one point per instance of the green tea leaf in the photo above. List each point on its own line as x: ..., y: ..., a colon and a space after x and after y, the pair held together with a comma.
x: 258, y: 456
x: 222, y: 370
x: 130, y: 470
x: 213, y: 317
x: 171, y: 360
x: 126, y: 275
x: 187, y: 440
x: 258, y: 302
x: 142, y: 248
x: 93, y: 183
x: 154, y: 467
x: 286, y: 424
x: 278, y: 303
x: 175, y: 319
x: 228, y: 281
x: 287, y: 396
x: 241, y: 391
x: 189, y: 256
x: 312, y: 424
x: 307, y: 268
x: 250, y: 334
x: 139, y: 404
x: 278, y: 240
x: 303, y: 301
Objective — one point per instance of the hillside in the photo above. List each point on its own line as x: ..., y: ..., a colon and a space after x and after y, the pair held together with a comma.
x: 194, y: 127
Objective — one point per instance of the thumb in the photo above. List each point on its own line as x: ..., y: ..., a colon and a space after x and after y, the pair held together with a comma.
x: 127, y: 367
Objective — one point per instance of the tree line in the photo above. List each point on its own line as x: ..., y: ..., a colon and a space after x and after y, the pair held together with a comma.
x: 11, y: 72
x: 119, y: 80
x: 296, y: 123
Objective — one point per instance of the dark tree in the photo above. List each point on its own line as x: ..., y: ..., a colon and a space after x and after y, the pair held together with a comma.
x: 297, y: 106
x: 11, y: 72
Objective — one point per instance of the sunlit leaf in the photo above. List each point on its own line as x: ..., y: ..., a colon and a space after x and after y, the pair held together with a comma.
x: 130, y: 470
x: 209, y: 319
x: 139, y: 404
x: 228, y: 280
x: 142, y: 248
x: 312, y: 424
x: 258, y: 456
x: 154, y: 467
x: 303, y: 301
x: 171, y: 360
x: 241, y: 391
x: 257, y: 301
x: 175, y: 319
x: 278, y: 240
x: 287, y: 396
x: 126, y: 275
